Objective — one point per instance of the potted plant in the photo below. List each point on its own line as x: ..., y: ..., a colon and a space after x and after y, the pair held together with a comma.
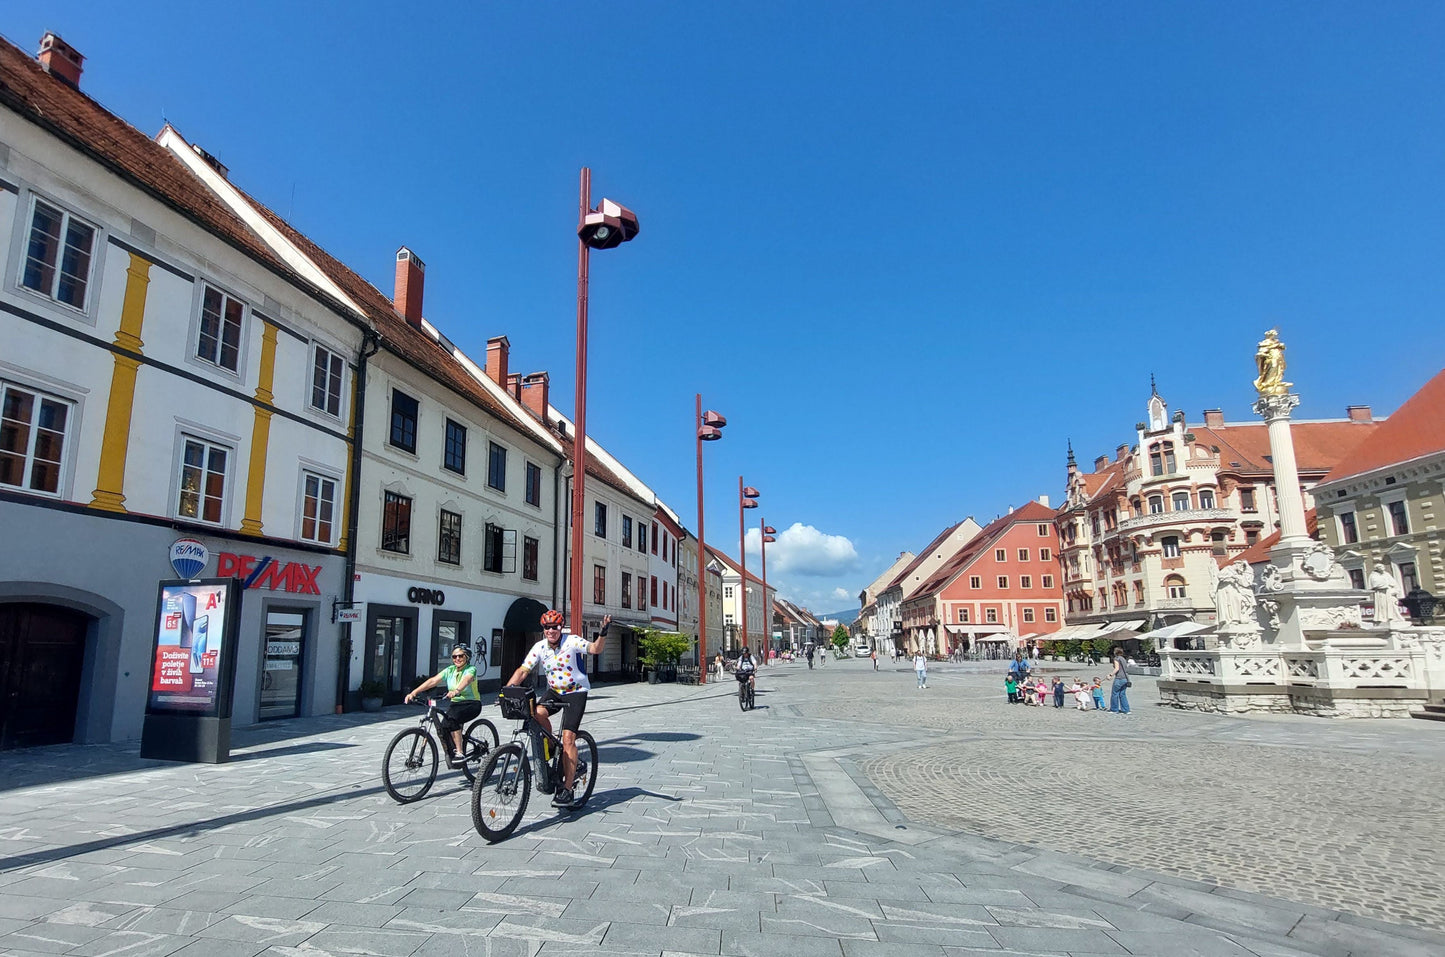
x: 658, y: 649
x: 372, y: 692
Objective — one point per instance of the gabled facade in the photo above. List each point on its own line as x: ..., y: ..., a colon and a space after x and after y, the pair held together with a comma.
x: 1381, y: 504
x: 1141, y: 532
x: 160, y: 382
x: 1000, y: 586
x: 687, y: 597
x: 734, y: 594
x: 889, y: 614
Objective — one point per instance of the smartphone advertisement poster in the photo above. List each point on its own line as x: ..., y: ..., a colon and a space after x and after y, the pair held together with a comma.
x: 188, y: 667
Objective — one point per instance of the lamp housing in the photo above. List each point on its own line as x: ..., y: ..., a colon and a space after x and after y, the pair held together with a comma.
x: 608, y: 226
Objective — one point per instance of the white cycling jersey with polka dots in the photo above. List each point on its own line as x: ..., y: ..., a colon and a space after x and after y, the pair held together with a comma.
x: 562, y: 665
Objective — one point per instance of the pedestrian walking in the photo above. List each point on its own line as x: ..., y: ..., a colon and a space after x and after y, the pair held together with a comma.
x: 1058, y: 692
x: 920, y: 665
x: 874, y: 656
x: 1118, y: 699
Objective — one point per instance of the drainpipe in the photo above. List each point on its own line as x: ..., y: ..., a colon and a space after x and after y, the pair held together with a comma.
x: 370, y: 344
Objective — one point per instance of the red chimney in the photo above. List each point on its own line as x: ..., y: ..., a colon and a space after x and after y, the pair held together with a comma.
x: 60, y: 59
x: 1359, y: 413
x: 534, y: 393
x: 514, y: 385
x: 410, y: 281
x: 498, y: 349
x: 1214, y: 418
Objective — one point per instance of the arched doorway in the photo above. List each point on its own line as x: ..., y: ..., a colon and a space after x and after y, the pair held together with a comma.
x: 42, y: 655
x: 521, y: 629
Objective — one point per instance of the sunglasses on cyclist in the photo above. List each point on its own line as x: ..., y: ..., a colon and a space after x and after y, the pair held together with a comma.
x: 459, y: 657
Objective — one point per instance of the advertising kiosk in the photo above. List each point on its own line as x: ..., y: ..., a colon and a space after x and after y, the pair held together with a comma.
x: 193, y: 663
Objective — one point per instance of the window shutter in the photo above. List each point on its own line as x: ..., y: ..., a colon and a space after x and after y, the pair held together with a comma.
x: 509, y: 550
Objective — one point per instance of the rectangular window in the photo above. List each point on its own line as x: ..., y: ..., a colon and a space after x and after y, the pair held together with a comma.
x: 203, y: 480
x: 1048, y: 581
x: 529, y: 559
x: 599, y: 519
x: 1003, y: 581
x: 1357, y: 578
x: 1206, y: 498
x: 1181, y: 502
x: 1045, y: 555
x: 57, y: 258
x: 626, y: 589
x: 627, y: 531
x: 1000, y: 555
x: 318, y: 508
x: 534, y: 484
x: 33, y: 429
x: 496, y: 467
x: 455, y: 457
x: 326, y: 369
x: 975, y: 581
x: 1409, y: 580
x: 403, y: 421
x: 1251, y: 537
x: 1028, y: 615
x: 990, y: 615
x: 1023, y: 554
x: 1026, y: 581
x: 1051, y: 614
x: 653, y: 591
x: 500, y: 549
x: 1171, y: 547
x: 599, y: 585
x: 728, y: 592
x: 449, y: 538
x: 1399, y: 520
x: 642, y: 535
x: 1349, y: 533
x: 1043, y: 531
x: 1246, y: 500
x: 641, y: 591
x: 396, y: 523
x: 220, y: 339
x: 654, y: 543
x: 963, y: 616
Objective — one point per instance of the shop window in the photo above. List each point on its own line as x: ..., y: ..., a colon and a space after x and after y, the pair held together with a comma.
x: 285, y: 640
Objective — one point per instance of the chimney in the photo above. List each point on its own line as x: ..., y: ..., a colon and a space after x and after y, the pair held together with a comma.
x: 410, y: 281
x: 1359, y: 413
x: 534, y: 393
x: 1119, y: 452
x: 498, y: 348
x: 514, y: 385
x: 60, y: 59
x: 1101, y: 463
x: 1214, y: 418
x: 1044, y: 501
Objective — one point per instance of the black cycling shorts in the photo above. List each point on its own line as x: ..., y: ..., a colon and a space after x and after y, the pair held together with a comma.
x: 458, y: 713
x: 572, y: 704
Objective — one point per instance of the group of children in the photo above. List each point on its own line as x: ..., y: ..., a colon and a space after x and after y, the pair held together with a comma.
x: 1035, y: 692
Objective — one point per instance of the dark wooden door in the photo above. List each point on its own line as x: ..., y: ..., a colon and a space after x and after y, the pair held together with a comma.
x: 42, y: 654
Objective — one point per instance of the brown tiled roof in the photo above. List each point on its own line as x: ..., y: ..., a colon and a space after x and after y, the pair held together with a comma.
x: 923, y: 555
x: 1103, y: 480
x: 1259, y: 551
x: 726, y: 560
x: 1032, y: 512
x: 1318, y: 446
x: 598, y: 470
x: 83, y: 124
x: 1416, y: 429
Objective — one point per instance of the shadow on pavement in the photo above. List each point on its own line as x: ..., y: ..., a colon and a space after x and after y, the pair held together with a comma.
x: 292, y: 749
x: 622, y: 754
x: 51, y: 855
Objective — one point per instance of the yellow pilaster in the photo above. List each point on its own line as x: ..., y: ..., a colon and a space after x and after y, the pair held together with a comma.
x: 260, y: 433
x: 350, y: 472
x: 109, y: 491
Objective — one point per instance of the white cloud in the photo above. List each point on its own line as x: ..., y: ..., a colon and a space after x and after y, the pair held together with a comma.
x: 842, y: 594
x: 803, y: 550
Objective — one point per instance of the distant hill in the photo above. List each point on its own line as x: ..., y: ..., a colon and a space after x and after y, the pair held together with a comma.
x: 843, y: 617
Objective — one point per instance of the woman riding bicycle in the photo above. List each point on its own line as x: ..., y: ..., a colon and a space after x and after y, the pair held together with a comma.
x: 461, y: 681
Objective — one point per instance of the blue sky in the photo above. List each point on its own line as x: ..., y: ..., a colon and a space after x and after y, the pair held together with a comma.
x: 909, y: 250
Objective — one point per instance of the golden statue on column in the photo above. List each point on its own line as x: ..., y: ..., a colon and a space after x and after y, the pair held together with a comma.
x: 1270, y: 359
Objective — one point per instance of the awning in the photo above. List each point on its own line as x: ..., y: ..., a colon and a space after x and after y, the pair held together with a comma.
x: 1179, y: 630
x: 1073, y: 633
x: 1108, y: 626
x: 957, y: 629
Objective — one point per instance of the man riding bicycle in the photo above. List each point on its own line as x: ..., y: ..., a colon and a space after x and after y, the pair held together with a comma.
x: 461, y: 681
x: 559, y: 655
x: 746, y: 669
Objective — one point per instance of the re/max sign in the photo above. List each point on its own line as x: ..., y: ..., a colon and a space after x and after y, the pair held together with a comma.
x: 266, y: 572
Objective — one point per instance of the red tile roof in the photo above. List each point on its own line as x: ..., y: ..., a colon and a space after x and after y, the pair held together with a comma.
x: 1032, y: 512
x: 726, y: 560
x: 1416, y: 429
x: 1318, y: 446
x: 923, y: 555
x: 1259, y: 551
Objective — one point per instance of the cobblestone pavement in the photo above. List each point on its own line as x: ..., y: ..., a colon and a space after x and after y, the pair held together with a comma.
x: 1333, y: 813
x: 711, y: 832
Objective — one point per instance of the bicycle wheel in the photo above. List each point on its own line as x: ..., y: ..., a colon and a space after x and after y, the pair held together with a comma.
x: 410, y: 766
x: 478, y: 741
x: 500, y: 792
x: 586, y: 777
x: 751, y: 695
x: 743, y: 695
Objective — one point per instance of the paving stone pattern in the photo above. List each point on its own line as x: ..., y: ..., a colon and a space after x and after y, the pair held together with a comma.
x: 711, y: 832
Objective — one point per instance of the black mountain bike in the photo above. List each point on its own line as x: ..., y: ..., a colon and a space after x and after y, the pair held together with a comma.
x: 500, y: 792
x: 410, y: 765
x: 745, y: 692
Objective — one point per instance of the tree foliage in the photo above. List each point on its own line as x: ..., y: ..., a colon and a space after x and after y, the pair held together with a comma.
x: 840, y: 639
x: 657, y: 647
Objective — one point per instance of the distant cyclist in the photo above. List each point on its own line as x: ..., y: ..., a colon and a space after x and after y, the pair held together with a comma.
x: 747, y: 668
x: 559, y: 656
x: 466, y: 703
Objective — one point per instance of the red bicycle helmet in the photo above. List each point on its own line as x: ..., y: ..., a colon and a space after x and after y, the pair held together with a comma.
x: 552, y: 617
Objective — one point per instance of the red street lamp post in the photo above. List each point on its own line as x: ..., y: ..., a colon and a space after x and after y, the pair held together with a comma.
x: 709, y: 429
x: 606, y: 227
x: 767, y: 533
x: 747, y: 498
